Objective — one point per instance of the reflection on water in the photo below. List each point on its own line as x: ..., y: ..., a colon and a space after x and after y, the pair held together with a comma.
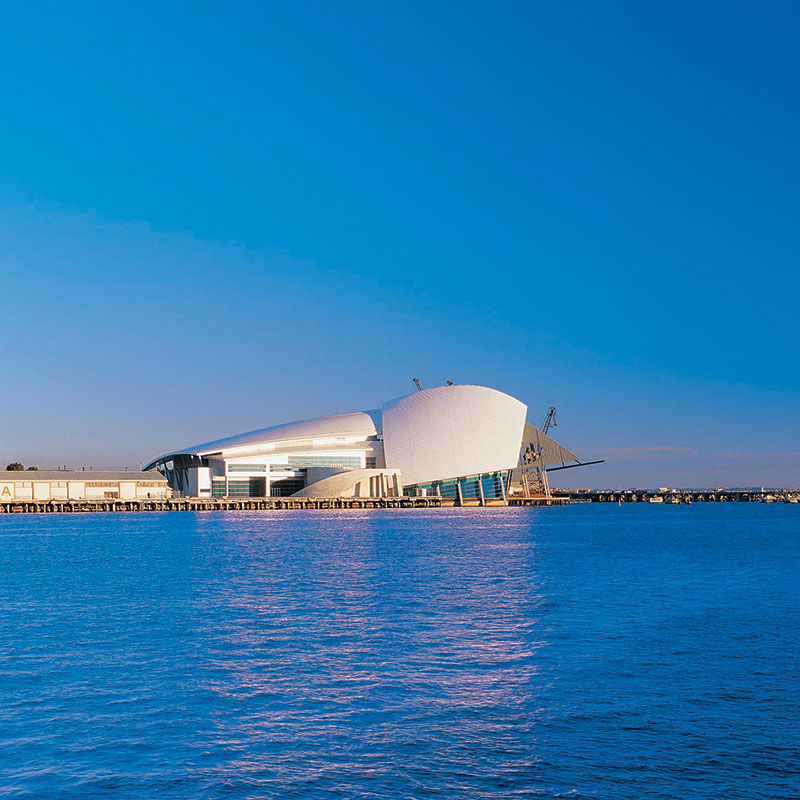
x: 451, y: 653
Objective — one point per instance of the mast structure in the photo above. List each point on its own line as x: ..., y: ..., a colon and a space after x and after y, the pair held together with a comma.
x: 531, y: 460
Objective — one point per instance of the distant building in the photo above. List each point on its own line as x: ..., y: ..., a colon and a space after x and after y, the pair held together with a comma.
x: 457, y: 441
x: 68, y: 485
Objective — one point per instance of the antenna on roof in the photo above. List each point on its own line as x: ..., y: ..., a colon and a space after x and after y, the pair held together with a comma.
x: 449, y: 383
x: 417, y: 384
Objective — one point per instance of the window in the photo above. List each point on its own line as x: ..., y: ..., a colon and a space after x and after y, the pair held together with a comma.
x: 247, y: 468
x: 246, y: 487
x: 469, y: 488
x: 299, y: 462
x: 448, y: 489
x: 238, y: 487
x: 492, y: 484
x: 286, y: 487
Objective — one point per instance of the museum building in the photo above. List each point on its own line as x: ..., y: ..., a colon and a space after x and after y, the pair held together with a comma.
x: 455, y: 441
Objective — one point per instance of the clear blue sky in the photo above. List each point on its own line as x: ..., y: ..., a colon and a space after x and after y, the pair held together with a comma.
x: 219, y: 217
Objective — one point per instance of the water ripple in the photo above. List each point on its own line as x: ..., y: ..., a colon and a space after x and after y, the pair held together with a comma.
x: 498, y: 653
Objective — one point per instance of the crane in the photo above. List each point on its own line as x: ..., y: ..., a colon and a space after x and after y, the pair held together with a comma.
x: 534, y: 472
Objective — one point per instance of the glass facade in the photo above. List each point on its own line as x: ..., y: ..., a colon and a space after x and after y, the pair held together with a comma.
x: 239, y: 487
x: 244, y: 480
x: 299, y: 462
x: 246, y: 487
x: 492, y: 484
x: 286, y: 487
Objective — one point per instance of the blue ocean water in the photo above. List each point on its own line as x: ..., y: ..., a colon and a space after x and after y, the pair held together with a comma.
x: 589, y: 651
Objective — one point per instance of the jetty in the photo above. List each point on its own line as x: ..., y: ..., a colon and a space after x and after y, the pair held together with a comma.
x: 215, y: 504
x: 257, y: 504
x: 678, y: 496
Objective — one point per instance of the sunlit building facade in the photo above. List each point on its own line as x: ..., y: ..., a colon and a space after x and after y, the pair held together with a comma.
x: 458, y: 441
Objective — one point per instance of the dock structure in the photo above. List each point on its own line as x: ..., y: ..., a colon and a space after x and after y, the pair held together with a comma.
x: 217, y: 504
x: 538, y: 500
x: 257, y: 504
x: 461, y: 442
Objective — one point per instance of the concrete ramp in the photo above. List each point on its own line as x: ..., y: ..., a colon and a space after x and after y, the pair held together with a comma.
x: 356, y: 483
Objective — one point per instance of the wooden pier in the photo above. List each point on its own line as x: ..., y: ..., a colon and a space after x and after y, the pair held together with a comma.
x: 216, y: 504
x: 257, y: 504
x: 538, y: 500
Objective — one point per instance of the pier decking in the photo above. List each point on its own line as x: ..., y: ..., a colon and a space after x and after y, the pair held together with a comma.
x: 538, y: 501
x: 215, y: 504
x: 559, y: 498
x: 254, y: 504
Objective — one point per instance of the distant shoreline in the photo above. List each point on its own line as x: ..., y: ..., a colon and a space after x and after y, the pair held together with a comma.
x: 680, y: 496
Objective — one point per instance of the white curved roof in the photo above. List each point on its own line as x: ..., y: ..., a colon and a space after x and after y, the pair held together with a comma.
x: 452, y: 431
x: 429, y: 435
x: 356, y: 423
